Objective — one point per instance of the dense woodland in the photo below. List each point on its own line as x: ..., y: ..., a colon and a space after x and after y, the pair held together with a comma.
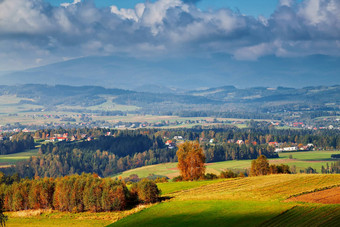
x: 18, y: 143
x: 105, y: 156
x: 123, y: 150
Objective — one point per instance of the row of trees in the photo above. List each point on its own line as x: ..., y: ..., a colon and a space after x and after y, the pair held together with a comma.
x: 191, y: 160
x: 333, y: 168
x: 232, y: 151
x: 260, y: 166
x: 76, y: 193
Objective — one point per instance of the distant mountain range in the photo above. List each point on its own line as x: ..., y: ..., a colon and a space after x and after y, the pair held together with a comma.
x: 226, y: 98
x: 169, y: 75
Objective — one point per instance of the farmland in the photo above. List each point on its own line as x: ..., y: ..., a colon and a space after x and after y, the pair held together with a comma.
x: 11, y: 159
x: 301, y: 160
x: 249, y: 201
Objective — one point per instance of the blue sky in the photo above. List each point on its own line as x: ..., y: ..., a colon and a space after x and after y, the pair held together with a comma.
x: 249, y: 7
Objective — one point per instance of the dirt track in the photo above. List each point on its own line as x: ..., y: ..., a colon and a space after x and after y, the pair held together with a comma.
x: 329, y: 196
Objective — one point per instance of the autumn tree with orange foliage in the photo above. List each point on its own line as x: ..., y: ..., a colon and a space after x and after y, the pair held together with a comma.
x: 191, y: 160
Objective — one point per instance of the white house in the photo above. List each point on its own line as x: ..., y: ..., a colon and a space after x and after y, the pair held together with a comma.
x: 290, y: 148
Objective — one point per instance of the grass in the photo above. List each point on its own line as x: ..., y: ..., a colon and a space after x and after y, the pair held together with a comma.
x: 64, y: 219
x: 307, y: 215
x: 301, y: 160
x: 204, y: 213
x: 252, y: 201
x: 11, y: 159
x: 172, y: 187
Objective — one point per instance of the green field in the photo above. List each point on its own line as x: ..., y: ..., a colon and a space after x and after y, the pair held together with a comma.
x: 51, y: 218
x: 11, y: 159
x: 252, y: 201
x: 301, y: 160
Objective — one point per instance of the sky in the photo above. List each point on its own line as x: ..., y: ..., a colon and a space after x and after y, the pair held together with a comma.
x: 249, y: 7
x: 40, y: 32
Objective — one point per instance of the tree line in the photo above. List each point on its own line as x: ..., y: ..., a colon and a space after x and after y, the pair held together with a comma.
x: 76, y: 193
x: 18, y: 143
x: 231, y: 151
x: 105, y: 156
x: 127, y: 149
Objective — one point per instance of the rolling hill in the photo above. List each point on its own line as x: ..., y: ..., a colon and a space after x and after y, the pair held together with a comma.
x: 252, y: 201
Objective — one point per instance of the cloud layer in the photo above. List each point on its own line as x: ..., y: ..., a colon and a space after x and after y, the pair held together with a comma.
x: 32, y: 32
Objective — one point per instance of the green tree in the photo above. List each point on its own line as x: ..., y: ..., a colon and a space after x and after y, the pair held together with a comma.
x: 191, y: 160
x: 148, y: 191
x: 3, y: 218
x: 259, y: 166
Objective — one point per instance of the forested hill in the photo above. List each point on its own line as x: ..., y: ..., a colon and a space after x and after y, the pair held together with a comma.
x: 123, y: 150
x: 223, y: 99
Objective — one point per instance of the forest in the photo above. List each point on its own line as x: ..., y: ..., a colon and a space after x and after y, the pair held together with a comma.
x: 127, y: 149
x: 18, y: 143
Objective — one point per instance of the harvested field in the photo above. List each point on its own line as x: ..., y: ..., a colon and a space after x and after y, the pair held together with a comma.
x: 328, y: 196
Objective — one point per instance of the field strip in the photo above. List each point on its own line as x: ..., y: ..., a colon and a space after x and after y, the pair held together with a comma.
x: 258, y: 188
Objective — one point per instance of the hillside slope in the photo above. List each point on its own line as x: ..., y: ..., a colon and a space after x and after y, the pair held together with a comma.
x: 253, y: 201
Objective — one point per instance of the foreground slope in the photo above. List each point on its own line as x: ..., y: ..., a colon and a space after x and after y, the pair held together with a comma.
x: 249, y: 201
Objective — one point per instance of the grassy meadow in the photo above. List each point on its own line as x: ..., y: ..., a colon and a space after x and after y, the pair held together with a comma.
x: 51, y: 218
x: 301, y: 160
x: 252, y: 201
x: 11, y: 159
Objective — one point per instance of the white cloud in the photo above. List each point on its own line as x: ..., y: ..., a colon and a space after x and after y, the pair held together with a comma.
x: 163, y: 27
x: 252, y: 53
x: 288, y: 3
x: 69, y: 4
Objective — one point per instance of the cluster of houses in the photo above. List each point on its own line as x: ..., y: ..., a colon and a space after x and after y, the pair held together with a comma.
x: 172, y: 143
x: 65, y: 137
x: 307, y: 147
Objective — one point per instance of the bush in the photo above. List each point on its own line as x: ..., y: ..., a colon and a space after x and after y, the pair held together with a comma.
x: 148, y: 191
x: 177, y: 179
x: 210, y: 176
x: 242, y: 175
x: 228, y: 174
x: 161, y: 180
x: 133, y: 195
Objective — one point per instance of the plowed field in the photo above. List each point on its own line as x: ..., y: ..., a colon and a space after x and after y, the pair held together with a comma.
x: 329, y: 196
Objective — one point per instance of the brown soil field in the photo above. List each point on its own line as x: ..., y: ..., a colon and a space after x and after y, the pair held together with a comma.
x: 329, y: 196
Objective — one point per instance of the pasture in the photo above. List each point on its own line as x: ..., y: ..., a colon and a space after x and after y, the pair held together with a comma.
x: 251, y: 201
x: 49, y: 218
x: 300, y: 160
x: 11, y: 159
